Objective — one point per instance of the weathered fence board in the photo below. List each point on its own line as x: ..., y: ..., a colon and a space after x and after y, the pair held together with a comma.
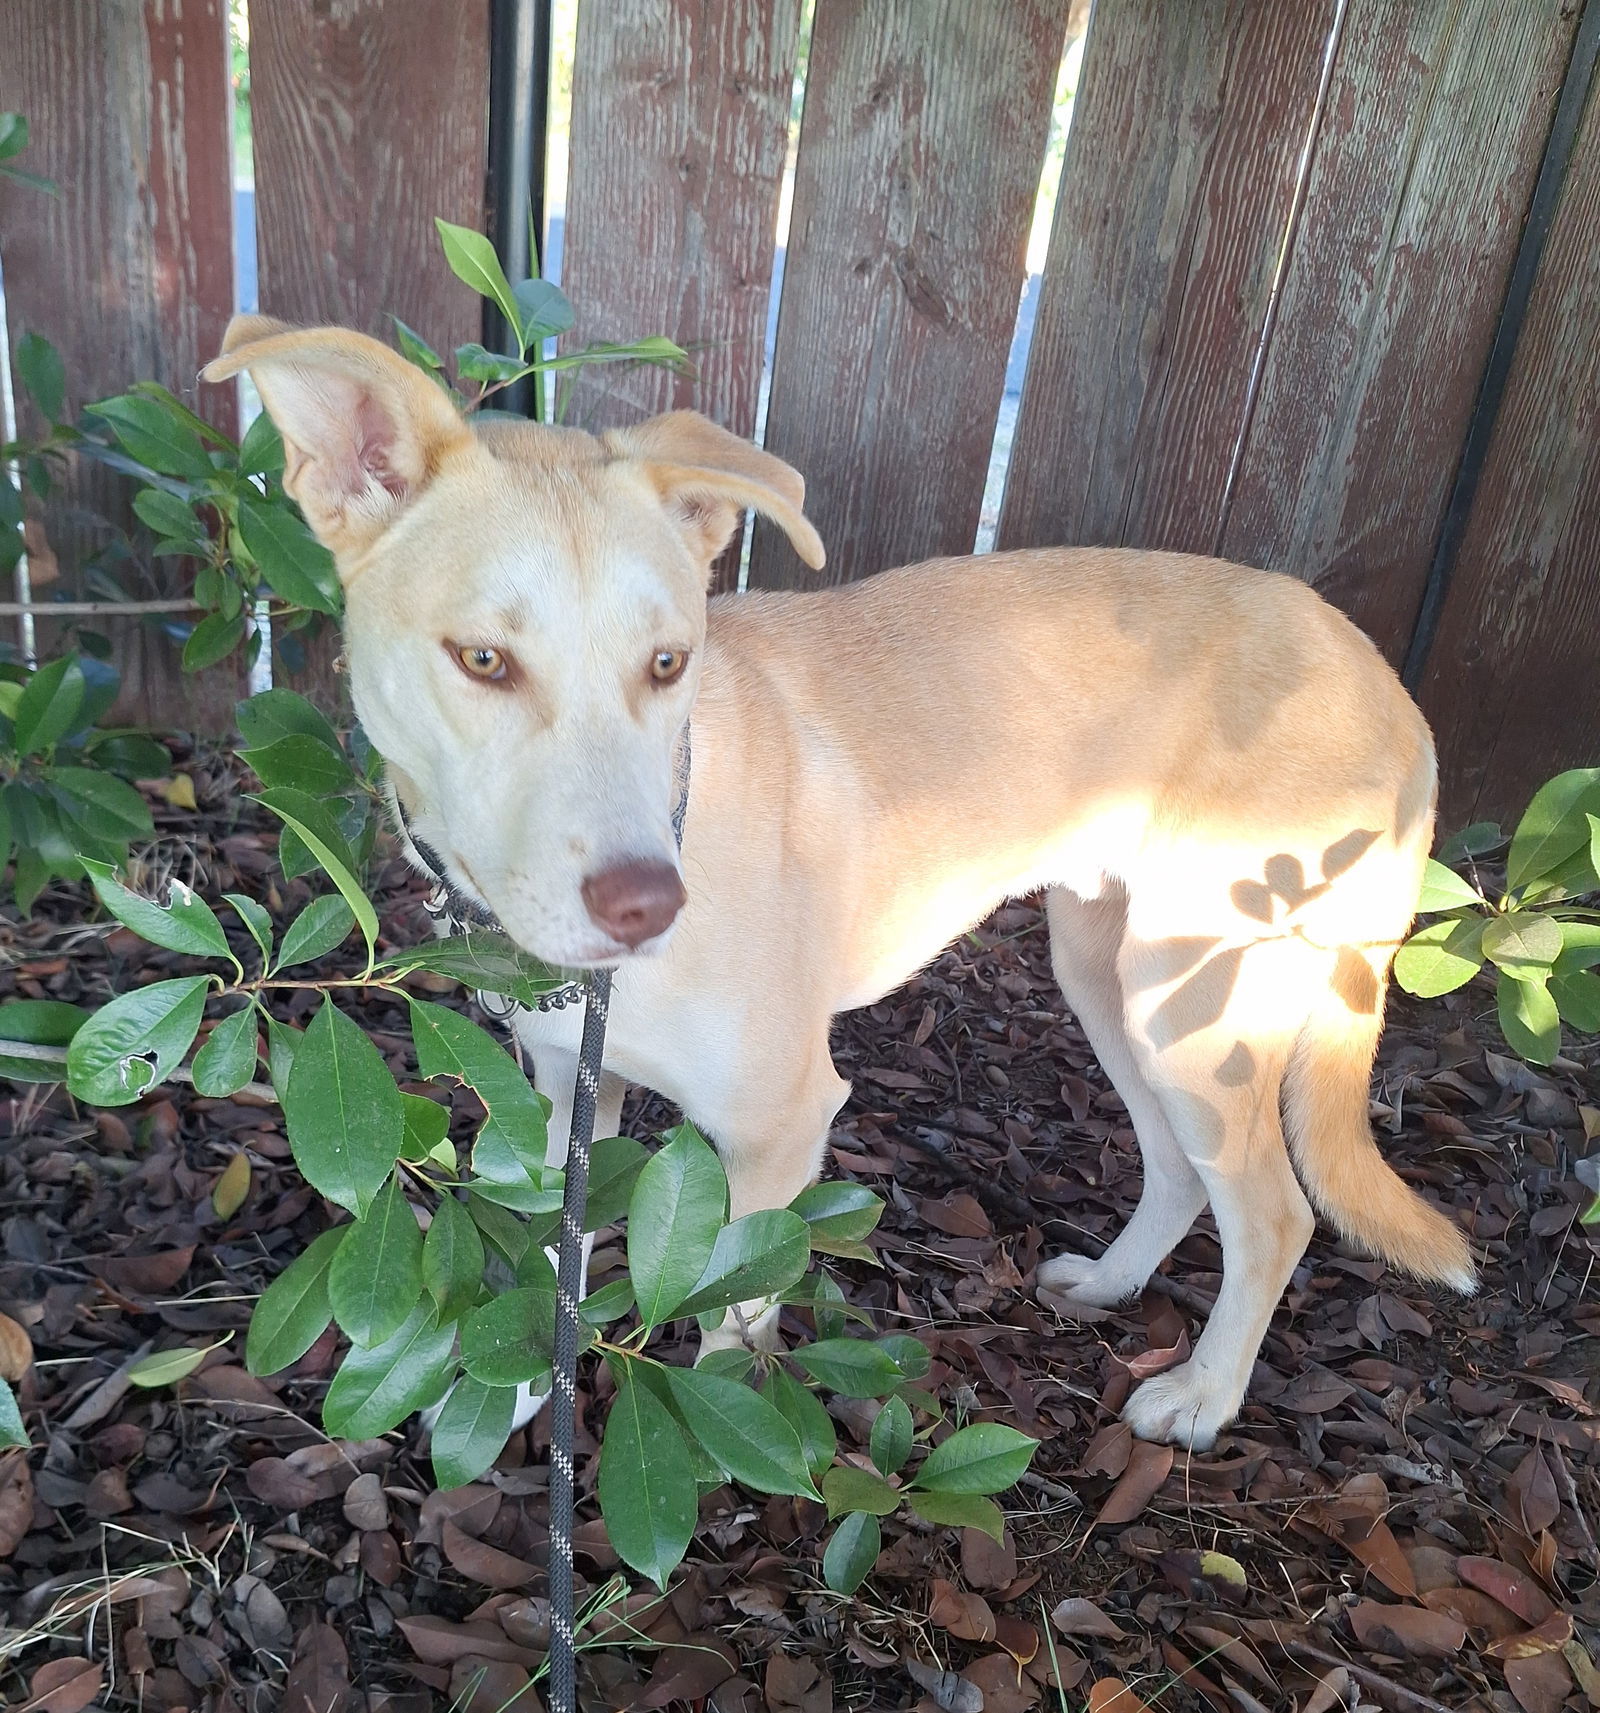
x: 1175, y: 196
x: 128, y: 269
x: 920, y: 150
x: 1435, y: 125
x: 367, y: 121
x: 680, y: 112
x: 1512, y: 684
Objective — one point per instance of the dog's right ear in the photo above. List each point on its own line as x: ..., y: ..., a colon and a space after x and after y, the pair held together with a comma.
x: 363, y: 430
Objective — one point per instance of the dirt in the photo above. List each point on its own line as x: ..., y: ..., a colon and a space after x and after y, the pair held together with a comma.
x: 1404, y: 1516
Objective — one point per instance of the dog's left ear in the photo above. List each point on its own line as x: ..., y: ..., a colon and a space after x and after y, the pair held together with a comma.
x: 705, y: 475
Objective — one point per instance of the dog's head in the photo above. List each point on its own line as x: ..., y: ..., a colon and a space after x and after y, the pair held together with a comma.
x: 525, y: 614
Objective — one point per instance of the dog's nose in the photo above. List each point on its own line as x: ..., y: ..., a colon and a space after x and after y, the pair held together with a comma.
x: 635, y: 901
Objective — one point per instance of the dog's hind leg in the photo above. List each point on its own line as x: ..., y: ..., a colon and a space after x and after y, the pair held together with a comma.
x: 1085, y: 940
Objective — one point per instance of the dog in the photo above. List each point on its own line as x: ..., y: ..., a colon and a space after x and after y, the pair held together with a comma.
x: 1217, y: 782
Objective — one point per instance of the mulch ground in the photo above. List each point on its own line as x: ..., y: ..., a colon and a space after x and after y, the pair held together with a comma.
x: 1403, y: 1518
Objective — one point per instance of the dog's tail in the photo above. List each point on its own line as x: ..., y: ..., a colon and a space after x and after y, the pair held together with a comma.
x: 1330, y: 1134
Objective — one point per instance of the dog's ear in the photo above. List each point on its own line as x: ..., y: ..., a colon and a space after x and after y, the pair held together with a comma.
x: 705, y: 475
x: 363, y: 431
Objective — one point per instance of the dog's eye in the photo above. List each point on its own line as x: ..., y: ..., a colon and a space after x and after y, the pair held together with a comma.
x: 487, y: 663
x: 668, y: 663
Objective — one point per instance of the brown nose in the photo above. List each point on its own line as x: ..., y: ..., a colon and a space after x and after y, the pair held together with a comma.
x: 635, y: 901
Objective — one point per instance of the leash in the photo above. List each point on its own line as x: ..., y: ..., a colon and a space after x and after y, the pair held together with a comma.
x: 461, y: 914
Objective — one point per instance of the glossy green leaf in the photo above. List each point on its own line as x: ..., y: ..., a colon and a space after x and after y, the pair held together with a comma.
x: 507, y: 1340
x: 261, y: 450
x: 376, y: 1278
x: 647, y: 1488
x: 427, y: 1125
x: 323, y: 924
x: 892, y: 1431
x: 48, y: 706
x: 543, y: 311
x: 343, y: 1111
x: 167, y: 1367
x: 1529, y: 1019
x: 1577, y: 998
x: 302, y: 764
x: 987, y: 1457
x: 960, y: 1511
x: 473, y: 260
x: 376, y: 1390
x: 1444, y: 889
x: 510, y: 1148
x: 611, y: 1302
x: 846, y: 1488
x: 486, y: 961
x: 615, y: 1163
x: 102, y: 804
x: 909, y: 1354
x: 289, y: 557
x: 1523, y: 943
x: 415, y: 349
x: 471, y: 1431
x: 135, y: 1041
x: 314, y: 826
x: 752, y: 1257
x: 271, y: 715
x: 742, y: 1432
x: 852, y: 1366
x: 227, y: 1061
x: 155, y: 436
x: 186, y: 923
x: 1441, y: 957
x: 1474, y: 841
x: 839, y: 1209
x: 12, y: 1432
x: 802, y: 1409
x: 677, y: 1208
x: 1553, y: 826
x: 452, y: 1259
x: 40, y: 369
x: 294, y: 1310
x: 851, y: 1552
x: 44, y: 1023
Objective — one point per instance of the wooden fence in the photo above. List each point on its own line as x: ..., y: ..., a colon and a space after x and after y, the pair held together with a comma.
x: 1323, y: 290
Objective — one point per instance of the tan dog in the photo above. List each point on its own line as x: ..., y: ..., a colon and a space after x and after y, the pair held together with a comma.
x: 1221, y: 786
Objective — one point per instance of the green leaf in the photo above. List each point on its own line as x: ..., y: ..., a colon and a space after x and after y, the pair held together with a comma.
x: 427, y: 1125
x: 376, y: 1390
x: 343, y: 1111
x: 185, y: 924
x: 12, y: 1432
x: 892, y: 1432
x: 471, y: 1431
x: 301, y: 763
x: 1553, y: 826
x: 265, y: 718
x: 846, y: 1488
x: 1577, y: 998
x: 506, y: 1235
x: 13, y: 135
x: 452, y: 1259
x: 227, y: 1061
x: 291, y: 559
x: 45, y: 1023
x: 507, y: 1341
x: 909, y: 1354
x: 511, y: 1145
x: 104, y: 805
x: 473, y: 260
x: 1473, y: 841
x: 647, y: 1489
x: 376, y: 1278
x: 323, y: 924
x: 960, y: 1511
x: 543, y: 311
x: 314, y: 826
x: 415, y: 349
x: 40, y: 369
x: 615, y: 1163
x: 987, y: 1457
x: 851, y: 1366
x: 282, y: 1041
x: 1444, y: 889
x: 852, y: 1551
x: 155, y: 436
x: 169, y: 517
x: 1523, y: 943
x: 166, y: 1367
x: 1529, y: 1019
x: 1580, y: 947
x: 753, y: 1257
x: 484, y: 960
x: 48, y: 706
x: 839, y: 1209
x: 1441, y: 957
x: 261, y: 450
x: 677, y: 1208
x: 294, y: 1310
x: 742, y: 1432
x: 802, y: 1409
x: 135, y: 1041
x: 610, y: 1302
x: 475, y: 362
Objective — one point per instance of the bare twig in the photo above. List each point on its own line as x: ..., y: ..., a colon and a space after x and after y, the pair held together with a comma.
x: 93, y: 609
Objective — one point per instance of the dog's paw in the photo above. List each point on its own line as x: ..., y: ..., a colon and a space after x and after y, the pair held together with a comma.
x: 1075, y: 1285
x: 1185, y: 1406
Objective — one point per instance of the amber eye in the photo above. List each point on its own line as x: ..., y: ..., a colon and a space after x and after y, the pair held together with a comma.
x: 488, y: 663
x: 667, y: 664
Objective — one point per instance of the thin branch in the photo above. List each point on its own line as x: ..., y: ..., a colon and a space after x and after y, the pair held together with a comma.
x: 93, y: 609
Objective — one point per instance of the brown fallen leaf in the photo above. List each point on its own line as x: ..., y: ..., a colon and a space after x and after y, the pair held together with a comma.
x: 144, y: 1275
x: 319, y: 1677
x: 16, y: 1349
x: 688, y: 1671
x: 1481, y: 1614
x: 16, y: 1502
x: 1148, y: 1468
x: 63, y: 1686
x: 962, y: 1614
x: 1516, y: 1591
x: 492, y: 1686
x: 1541, y: 1683
x: 797, y: 1685
x: 1406, y: 1630
x: 484, y: 1563
x: 985, y: 1564
x: 1108, y: 1451
x: 1531, y: 1488
x: 1080, y: 1617
x: 365, y: 1505
x: 1332, y: 1692
x: 1019, y: 1638
x: 1549, y: 1637
x: 437, y: 1641
x: 275, y: 1481
x: 232, y: 1187
x: 1112, y: 1695
x: 1004, y: 1686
